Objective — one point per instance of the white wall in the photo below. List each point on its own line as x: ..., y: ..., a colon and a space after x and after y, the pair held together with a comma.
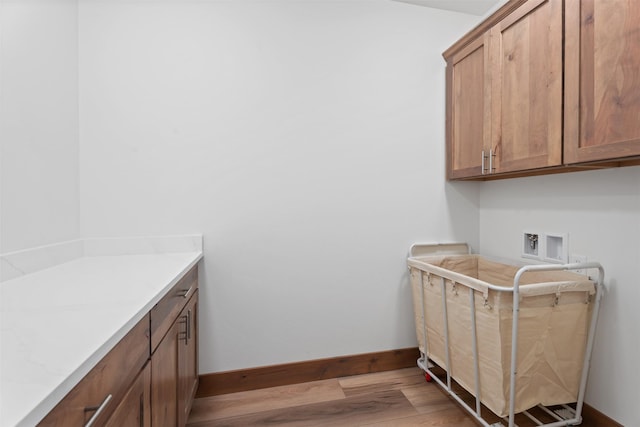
x: 38, y: 123
x: 601, y: 212
x: 305, y: 139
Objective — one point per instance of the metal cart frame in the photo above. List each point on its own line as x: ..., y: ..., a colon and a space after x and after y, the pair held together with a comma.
x: 567, y: 416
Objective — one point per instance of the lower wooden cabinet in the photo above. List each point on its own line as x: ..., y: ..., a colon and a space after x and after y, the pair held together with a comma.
x: 134, y: 409
x: 149, y: 379
x: 174, y: 370
x: 95, y: 397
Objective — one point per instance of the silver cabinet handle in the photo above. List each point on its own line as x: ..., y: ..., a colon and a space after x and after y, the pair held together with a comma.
x: 98, y: 410
x: 491, y: 156
x: 188, y: 324
x: 184, y: 335
x: 184, y: 293
x: 483, y: 158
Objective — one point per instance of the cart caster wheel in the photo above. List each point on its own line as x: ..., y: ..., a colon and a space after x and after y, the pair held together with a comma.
x: 427, y: 377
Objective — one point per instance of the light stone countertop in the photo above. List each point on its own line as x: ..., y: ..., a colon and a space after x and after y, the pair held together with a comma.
x: 57, y: 323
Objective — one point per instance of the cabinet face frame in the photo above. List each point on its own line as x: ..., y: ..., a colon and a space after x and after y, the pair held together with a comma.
x: 593, y: 130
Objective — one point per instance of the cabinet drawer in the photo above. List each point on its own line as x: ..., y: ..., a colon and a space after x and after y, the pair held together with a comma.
x: 106, y: 384
x: 166, y: 311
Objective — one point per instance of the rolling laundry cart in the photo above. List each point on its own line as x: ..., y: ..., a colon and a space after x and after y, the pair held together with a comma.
x: 514, y: 338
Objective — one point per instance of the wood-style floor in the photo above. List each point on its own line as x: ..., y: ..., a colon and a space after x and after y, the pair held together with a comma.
x: 393, y: 398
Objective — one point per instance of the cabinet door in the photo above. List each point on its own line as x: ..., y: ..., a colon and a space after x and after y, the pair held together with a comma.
x: 602, y: 83
x: 468, y: 101
x: 164, y: 380
x: 526, y: 79
x: 188, y: 359
x: 135, y: 408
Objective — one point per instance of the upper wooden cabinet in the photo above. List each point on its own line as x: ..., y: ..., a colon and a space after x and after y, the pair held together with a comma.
x: 602, y: 83
x: 505, y: 99
x: 504, y: 94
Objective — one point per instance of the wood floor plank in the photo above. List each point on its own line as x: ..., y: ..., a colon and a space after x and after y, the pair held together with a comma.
x: 390, y: 380
x: 350, y: 411
x: 448, y: 417
x: 249, y: 402
x: 427, y: 398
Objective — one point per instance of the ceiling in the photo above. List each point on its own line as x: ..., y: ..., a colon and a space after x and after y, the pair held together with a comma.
x: 473, y: 7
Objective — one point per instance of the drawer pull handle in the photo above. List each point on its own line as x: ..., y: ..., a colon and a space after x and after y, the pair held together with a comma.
x: 483, y: 158
x: 184, y: 293
x: 184, y: 335
x: 188, y: 324
x: 98, y: 410
x: 492, y: 154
